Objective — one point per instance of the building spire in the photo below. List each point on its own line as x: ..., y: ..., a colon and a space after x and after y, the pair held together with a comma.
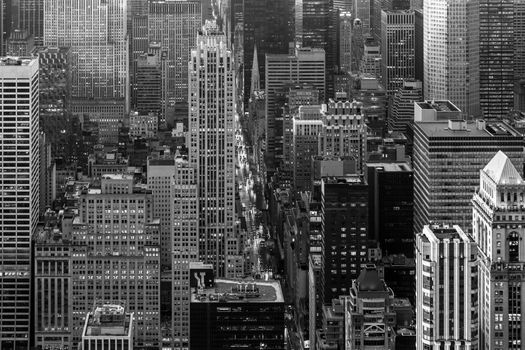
x: 256, y: 79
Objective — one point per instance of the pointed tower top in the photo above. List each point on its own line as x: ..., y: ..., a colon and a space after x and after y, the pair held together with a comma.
x: 501, y: 170
x: 256, y: 79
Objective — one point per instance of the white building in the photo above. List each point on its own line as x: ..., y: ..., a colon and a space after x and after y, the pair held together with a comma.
x: 446, y: 289
x: 212, y: 143
x: 451, y: 53
x: 108, y: 327
x: 499, y: 229
x: 19, y: 165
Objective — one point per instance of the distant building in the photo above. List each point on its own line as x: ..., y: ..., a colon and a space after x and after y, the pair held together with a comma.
x: 402, y: 106
x: 148, y: 84
x: 447, y: 159
x: 369, y: 315
x: 20, y: 43
x: 498, y: 229
x: 102, y: 162
x: 107, y: 327
x: 345, y: 41
x: 436, y: 110
x: 446, y: 267
x: 242, y: 314
x: 143, y: 125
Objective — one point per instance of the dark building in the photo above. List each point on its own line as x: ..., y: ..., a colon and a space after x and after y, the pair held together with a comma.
x: 391, y: 205
x: 344, y: 207
x: 418, y: 44
x: 399, y: 273
x: 31, y: 19
x: 148, y: 84
x: 266, y: 27
x: 232, y: 314
x: 496, y: 57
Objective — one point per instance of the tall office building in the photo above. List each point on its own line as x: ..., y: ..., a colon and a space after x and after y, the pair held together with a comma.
x: 519, y: 55
x: 31, y: 19
x: 344, y: 132
x: 362, y: 12
x: 447, y: 158
x: 306, y: 66
x: 148, y: 86
x: 419, y: 71
x: 174, y: 24
x: 496, y: 57
x: 498, y: 228
x: 265, y: 27
x: 446, y: 288
x: 344, y: 233
x: 211, y: 145
x: 451, y: 53
x: 345, y: 41
x: 95, y: 30
x: 184, y: 248
x: 19, y: 163
x: 160, y: 175
x: 397, y: 49
x: 116, y: 255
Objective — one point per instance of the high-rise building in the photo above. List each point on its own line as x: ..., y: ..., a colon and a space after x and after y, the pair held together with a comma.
x: 498, y: 218
x: 31, y: 19
x: 174, y: 25
x: 447, y: 158
x: 369, y: 315
x: 519, y: 55
x: 116, y: 255
x: 376, y: 6
x: 20, y: 43
x: 496, y: 57
x: 95, y: 31
x: 254, y: 320
x: 345, y: 41
x: 184, y: 248
x: 419, y: 71
x: 160, y: 175
x: 391, y: 205
x: 397, y: 48
x: 362, y: 12
x: 306, y: 66
x: 19, y: 163
x: 212, y: 143
x: 265, y: 27
x: 344, y: 233
x: 402, y: 112
x: 451, y: 53
x: 47, y: 174
x: 446, y: 288
x: 344, y: 132
x: 371, y: 59
x: 148, y: 85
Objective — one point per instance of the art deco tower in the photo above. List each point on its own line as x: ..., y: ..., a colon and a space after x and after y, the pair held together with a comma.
x: 212, y: 135
x: 499, y: 228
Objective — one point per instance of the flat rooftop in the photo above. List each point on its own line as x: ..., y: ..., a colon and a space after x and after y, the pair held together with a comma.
x: 232, y: 291
x: 439, y: 106
x: 449, y: 232
x: 391, y: 167
x: 492, y: 129
x: 108, y: 320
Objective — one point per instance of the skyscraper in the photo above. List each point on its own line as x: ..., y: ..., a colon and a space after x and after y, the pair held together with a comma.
x: 451, y: 53
x: 402, y: 106
x: 446, y: 288
x: 498, y: 228
x: 211, y: 146
x: 362, y: 12
x: 19, y: 164
x: 305, y: 66
x: 31, y: 19
x: 345, y: 41
x: 174, y: 25
x: 95, y: 30
x: 496, y: 57
x: 397, y: 48
x: 447, y: 158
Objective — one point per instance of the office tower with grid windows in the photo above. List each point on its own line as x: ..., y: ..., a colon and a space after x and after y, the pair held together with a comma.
x: 397, y: 48
x: 402, y: 106
x: 451, y: 53
x: 95, y: 30
x: 31, y: 19
x: 498, y: 228
x: 174, y: 25
x: 19, y: 202
x: 446, y: 289
x: 447, y: 158
x: 211, y: 145
x: 116, y: 255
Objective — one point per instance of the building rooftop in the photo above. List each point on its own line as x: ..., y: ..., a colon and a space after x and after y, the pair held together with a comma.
x: 17, y: 61
x: 233, y: 291
x: 470, y: 129
x: 391, y: 167
x: 442, y: 232
x: 501, y: 170
x: 369, y: 280
x: 108, y: 319
x: 439, y: 106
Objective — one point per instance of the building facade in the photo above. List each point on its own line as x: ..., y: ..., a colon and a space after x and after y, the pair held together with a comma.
x: 446, y: 268
x: 498, y: 217
x: 20, y: 162
x: 211, y: 145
